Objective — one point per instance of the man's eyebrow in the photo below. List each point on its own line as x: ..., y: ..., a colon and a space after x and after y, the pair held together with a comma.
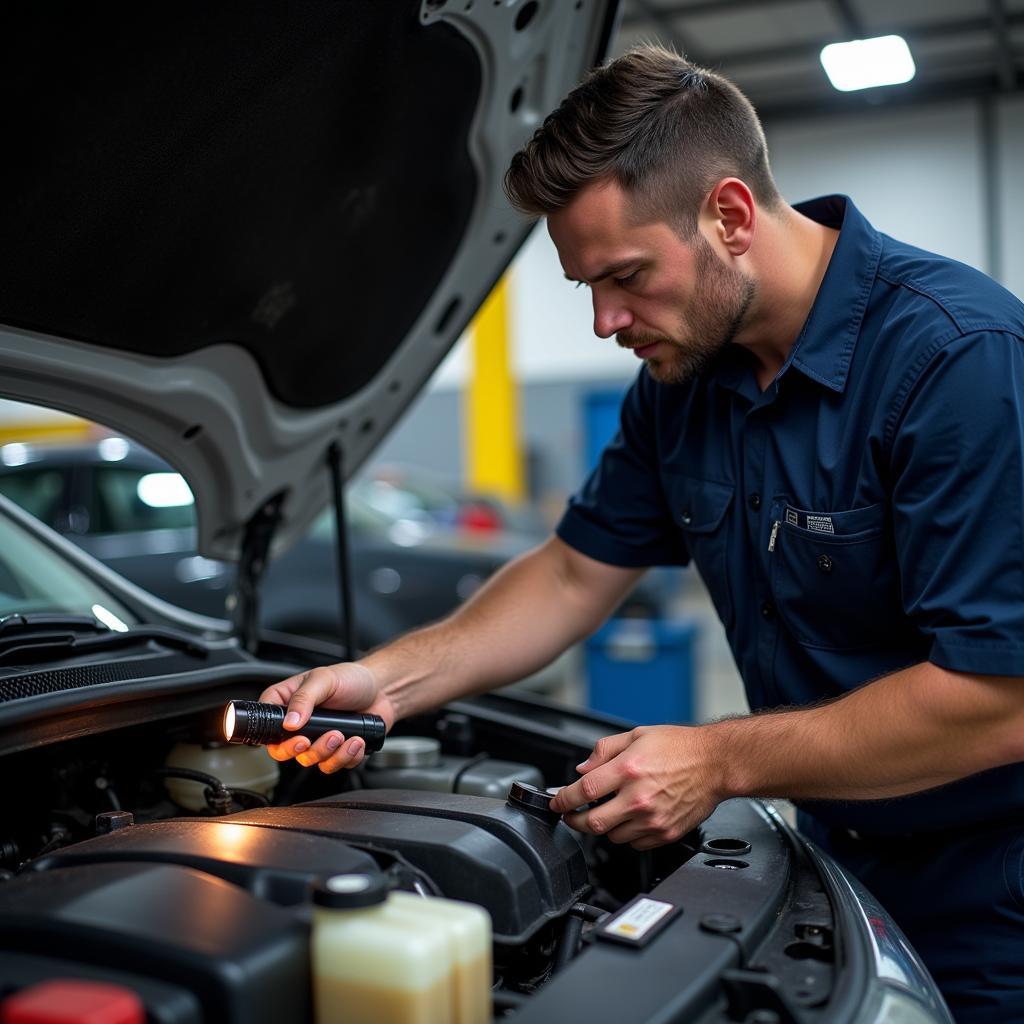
x: 608, y: 271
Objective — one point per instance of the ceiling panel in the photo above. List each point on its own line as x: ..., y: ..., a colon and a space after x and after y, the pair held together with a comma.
x: 937, y: 50
x: 684, y: 5
x: 880, y: 16
x: 769, y: 25
x: 770, y: 47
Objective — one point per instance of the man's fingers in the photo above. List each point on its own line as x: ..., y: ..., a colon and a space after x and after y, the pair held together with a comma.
x: 349, y: 754
x: 347, y: 686
x: 317, y: 686
x: 605, y: 749
x: 280, y: 693
x: 600, y: 820
x: 588, y: 789
x: 594, y: 785
x: 291, y: 747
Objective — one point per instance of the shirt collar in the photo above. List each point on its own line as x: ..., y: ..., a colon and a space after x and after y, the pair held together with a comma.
x: 824, y: 348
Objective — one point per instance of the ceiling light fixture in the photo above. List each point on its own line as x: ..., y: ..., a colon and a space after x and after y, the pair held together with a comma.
x: 866, y: 63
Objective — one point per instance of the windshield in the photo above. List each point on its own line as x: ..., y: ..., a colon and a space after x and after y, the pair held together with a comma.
x: 35, y: 578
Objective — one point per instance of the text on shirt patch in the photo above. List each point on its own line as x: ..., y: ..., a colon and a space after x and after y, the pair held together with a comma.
x: 823, y: 524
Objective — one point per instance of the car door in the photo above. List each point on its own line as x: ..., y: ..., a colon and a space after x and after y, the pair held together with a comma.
x: 43, y: 490
x: 141, y: 522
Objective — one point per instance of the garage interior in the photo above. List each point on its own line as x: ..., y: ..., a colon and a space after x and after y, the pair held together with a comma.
x: 521, y: 404
x: 272, y: 240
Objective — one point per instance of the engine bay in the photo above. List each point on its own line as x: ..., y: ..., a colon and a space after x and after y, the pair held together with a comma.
x: 127, y: 858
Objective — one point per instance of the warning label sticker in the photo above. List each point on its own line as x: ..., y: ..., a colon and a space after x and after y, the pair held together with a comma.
x: 638, y: 919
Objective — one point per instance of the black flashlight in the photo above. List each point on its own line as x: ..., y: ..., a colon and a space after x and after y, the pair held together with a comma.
x: 254, y: 723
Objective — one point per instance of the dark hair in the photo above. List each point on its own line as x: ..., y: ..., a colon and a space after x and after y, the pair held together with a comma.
x: 663, y: 128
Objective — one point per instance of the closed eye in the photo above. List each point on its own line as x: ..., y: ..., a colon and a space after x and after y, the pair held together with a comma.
x: 628, y: 279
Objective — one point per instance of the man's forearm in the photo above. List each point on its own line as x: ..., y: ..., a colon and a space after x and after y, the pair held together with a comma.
x: 519, y: 621
x: 913, y: 730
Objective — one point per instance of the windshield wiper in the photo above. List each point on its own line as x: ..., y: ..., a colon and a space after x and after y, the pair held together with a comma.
x: 37, y: 637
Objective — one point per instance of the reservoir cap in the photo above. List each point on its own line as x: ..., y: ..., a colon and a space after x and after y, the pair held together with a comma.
x: 347, y: 892
x: 407, y: 752
x: 535, y: 802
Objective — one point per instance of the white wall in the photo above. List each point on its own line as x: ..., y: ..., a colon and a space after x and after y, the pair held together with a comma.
x: 1011, y: 175
x: 917, y: 174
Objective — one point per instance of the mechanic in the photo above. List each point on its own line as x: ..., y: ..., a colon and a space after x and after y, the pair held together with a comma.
x: 830, y: 424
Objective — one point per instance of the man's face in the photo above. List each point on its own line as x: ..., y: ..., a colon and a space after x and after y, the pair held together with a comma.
x: 674, y: 303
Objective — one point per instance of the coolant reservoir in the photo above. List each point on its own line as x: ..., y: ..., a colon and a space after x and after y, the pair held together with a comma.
x: 238, y: 767
x: 371, y: 964
x: 469, y: 931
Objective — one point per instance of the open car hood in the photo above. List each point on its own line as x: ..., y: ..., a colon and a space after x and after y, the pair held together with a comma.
x: 242, y: 233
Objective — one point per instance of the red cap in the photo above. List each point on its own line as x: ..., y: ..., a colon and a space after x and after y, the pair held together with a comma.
x: 73, y: 1002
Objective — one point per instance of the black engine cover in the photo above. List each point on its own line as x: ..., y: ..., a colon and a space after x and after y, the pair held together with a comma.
x: 523, y: 871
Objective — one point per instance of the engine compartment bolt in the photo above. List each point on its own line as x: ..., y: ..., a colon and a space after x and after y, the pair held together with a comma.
x: 720, y: 924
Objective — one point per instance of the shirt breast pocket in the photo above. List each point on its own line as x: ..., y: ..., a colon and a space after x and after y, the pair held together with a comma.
x: 699, y: 509
x: 835, y: 579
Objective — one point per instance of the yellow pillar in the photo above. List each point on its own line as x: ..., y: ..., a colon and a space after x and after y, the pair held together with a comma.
x: 494, y: 461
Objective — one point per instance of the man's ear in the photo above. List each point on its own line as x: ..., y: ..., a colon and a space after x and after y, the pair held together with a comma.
x: 733, y: 214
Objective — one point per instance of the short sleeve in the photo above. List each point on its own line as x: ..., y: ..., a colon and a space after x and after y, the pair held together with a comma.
x: 620, y: 516
x: 958, y: 503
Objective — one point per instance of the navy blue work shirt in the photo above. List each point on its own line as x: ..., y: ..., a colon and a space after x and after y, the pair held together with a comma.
x: 863, y: 513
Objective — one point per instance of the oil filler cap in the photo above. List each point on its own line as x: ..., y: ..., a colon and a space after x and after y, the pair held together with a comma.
x: 533, y: 801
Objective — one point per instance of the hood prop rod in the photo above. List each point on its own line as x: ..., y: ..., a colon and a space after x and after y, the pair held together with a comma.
x: 259, y: 531
x: 335, y: 460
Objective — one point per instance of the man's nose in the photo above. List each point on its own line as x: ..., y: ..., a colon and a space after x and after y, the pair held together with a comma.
x: 610, y: 317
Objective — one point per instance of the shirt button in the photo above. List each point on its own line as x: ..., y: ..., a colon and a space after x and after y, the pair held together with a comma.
x: 754, y: 501
x: 768, y: 610
x: 824, y: 563
x: 686, y: 517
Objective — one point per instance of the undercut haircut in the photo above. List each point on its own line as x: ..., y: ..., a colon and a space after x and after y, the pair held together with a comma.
x: 666, y: 130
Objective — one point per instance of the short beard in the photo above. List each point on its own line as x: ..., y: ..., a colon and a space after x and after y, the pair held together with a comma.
x: 721, y: 301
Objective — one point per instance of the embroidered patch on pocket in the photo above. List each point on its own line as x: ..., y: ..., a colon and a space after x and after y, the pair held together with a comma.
x: 822, y: 524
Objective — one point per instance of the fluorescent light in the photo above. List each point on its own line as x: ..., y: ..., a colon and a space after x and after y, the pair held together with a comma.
x: 866, y: 63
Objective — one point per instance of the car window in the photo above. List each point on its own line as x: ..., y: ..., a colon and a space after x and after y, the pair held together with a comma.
x: 36, y: 578
x: 361, y: 517
x: 38, y: 490
x: 127, y: 500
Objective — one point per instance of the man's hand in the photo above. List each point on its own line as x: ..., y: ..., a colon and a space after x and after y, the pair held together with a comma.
x: 344, y: 687
x: 663, y: 782
x: 524, y: 616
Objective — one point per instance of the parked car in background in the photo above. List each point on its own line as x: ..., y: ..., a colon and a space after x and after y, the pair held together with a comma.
x: 132, y: 511
x: 408, y: 493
